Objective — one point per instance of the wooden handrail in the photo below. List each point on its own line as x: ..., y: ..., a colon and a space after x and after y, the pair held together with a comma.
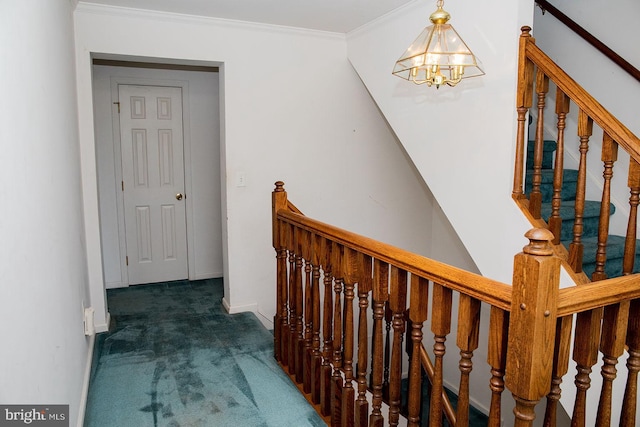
x: 529, y: 338
x: 590, y: 38
x: 484, y: 289
x: 587, y: 103
x: 590, y: 296
x: 570, y: 300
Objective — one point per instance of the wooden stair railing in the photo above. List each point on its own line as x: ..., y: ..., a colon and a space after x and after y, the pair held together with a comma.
x: 324, y: 273
x: 536, y: 74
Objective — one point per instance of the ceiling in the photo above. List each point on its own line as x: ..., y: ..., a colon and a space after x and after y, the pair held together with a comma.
x: 339, y: 16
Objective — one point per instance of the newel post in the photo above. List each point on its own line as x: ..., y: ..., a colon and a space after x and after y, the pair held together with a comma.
x: 278, y: 202
x: 532, y: 324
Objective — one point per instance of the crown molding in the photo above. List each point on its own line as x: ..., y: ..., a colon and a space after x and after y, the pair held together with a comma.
x: 161, y: 16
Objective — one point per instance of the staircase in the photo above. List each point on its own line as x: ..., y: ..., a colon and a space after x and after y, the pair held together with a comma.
x: 615, y: 243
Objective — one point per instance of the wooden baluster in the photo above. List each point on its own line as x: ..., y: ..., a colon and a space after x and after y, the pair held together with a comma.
x: 609, y: 156
x: 316, y: 355
x: 292, y: 335
x: 397, y: 303
x: 614, y: 330
x: 308, y: 313
x: 418, y: 303
x: 630, y: 400
x: 380, y: 297
x: 497, y: 358
x: 299, y: 339
x: 467, y: 341
x: 532, y: 324
x: 440, y: 326
x: 336, y: 377
x: 350, y: 269
x: 364, y: 288
x: 632, y: 225
x: 576, y: 248
x: 555, y: 220
x: 561, y: 357
x: 535, y: 198
x: 388, y: 316
x: 585, y: 354
x: 327, y: 330
x: 524, y: 98
x: 279, y: 201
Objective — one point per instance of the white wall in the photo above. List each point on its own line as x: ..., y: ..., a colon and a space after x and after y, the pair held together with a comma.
x: 293, y: 110
x: 202, y: 135
x: 44, y: 274
x: 461, y: 139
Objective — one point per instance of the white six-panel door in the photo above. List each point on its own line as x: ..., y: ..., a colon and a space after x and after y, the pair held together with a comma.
x: 153, y: 183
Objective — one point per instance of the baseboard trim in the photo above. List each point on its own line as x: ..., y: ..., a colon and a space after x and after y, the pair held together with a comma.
x: 103, y: 327
x: 268, y: 323
x: 239, y: 308
x: 203, y: 276
x: 85, y: 383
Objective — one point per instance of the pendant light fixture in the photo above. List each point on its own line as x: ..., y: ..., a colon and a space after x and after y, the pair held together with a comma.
x: 438, y: 56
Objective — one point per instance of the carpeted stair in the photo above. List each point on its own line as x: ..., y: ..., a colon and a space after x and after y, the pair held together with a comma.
x: 615, y: 244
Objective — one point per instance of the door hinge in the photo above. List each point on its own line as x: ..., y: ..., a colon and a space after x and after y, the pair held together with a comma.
x: 126, y: 259
x: 118, y: 104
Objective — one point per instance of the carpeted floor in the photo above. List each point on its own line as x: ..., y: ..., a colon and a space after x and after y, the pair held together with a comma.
x: 174, y: 358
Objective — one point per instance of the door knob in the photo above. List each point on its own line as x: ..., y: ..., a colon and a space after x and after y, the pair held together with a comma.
x: 179, y: 196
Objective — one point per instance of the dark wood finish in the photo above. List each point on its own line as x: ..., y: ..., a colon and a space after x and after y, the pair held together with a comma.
x: 440, y: 327
x: 278, y: 202
x: 467, y: 341
x: 316, y: 355
x: 630, y: 401
x: 535, y: 198
x: 336, y: 377
x: 590, y: 38
x: 532, y: 325
x: 497, y: 358
x: 561, y: 357
x: 524, y: 96
x: 364, y: 289
x: 447, y: 407
x: 614, y: 330
x: 585, y: 354
x: 327, y: 330
x: 308, y: 313
x: 609, y: 156
x: 418, y: 303
x: 578, y: 299
x: 584, y: 101
x: 292, y: 335
x: 576, y: 248
x: 351, y: 272
x: 536, y: 344
x: 485, y: 289
x: 633, y: 181
x: 299, y: 313
x: 398, y: 305
x: 380, y: 297
x: 555, y: 220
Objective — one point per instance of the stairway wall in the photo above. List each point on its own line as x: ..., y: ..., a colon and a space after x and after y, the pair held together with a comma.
x: 617, y: 94
x: 461, y: 139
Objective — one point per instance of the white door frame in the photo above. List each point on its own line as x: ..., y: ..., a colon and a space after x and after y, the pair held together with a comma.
x: 115, y: 81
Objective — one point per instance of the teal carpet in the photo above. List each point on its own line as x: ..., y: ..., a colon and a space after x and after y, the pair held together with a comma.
x: 174, y: 358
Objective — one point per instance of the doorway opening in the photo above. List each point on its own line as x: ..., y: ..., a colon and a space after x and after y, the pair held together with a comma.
x: 159, y: 178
